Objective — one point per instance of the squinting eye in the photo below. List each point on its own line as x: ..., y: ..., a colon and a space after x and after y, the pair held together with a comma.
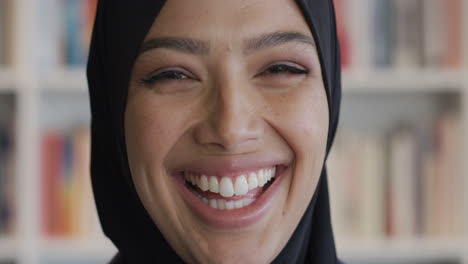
x: 285, y: 69
x: 167, y: 75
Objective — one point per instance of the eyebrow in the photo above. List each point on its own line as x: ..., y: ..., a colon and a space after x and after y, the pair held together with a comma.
x: 186, y: 45
x: 199, y: 47
x: 277, y: 38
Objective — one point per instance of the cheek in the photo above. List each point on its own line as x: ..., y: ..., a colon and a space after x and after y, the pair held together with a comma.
x: 302, y: 118
x: 150, y: 130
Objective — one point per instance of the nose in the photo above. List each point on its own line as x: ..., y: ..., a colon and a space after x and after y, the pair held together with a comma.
x: 233, y: 123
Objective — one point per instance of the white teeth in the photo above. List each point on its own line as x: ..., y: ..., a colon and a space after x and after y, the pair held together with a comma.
x: 247, y: 201
x: 226, y: 189
x: 214, y: 186
x: 253, y: 181
x: 261, y: 178
x: 229, y: 205
x: 213, y: 204
x: 203, y: 183
x: 268, y: 175
x: 221, y: 204
x: 241, y: 186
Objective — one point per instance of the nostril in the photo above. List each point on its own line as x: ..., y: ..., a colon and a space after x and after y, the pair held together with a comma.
x: 229, y: 125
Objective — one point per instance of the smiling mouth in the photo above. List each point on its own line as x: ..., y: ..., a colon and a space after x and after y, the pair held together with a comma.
x: 233, y: 191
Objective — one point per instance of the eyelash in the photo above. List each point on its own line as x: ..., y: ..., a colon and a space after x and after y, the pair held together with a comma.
x: 180, y: 75
x: 284, y: 69
x: 167, y: 76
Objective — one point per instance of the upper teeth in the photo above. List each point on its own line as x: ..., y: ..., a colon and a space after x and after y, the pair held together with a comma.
x: 225, y: 185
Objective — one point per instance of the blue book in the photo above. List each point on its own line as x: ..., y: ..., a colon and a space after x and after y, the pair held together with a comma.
x: 74, y: 54
x: 383, y: 32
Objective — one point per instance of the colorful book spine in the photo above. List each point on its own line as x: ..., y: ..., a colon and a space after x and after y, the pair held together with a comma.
x: 79, y: 19
x: 51, y: 154
x: 383, y: 33
x: 400, y: 34
x: 404, y: 184
x: 453, y: 28
x: 68, y: 204
x: 409, y: 29
x: 343, y: 28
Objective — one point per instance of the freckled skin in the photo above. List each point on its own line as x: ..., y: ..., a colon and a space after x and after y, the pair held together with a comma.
x: 231, y: 109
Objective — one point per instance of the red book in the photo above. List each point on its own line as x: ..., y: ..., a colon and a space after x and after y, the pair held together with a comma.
x: 452, y: 16
x: 51, y: 163
x: 342, y: 22
x: 89, y: 12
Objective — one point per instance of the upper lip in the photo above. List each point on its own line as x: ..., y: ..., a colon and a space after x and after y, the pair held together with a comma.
x: 229, y: 166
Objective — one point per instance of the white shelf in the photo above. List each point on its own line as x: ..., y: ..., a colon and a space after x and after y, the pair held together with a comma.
x: 402, y: 250
x: 66, y: 79
x: 100, y: 248
x: 7, y: 248
x: 391, y: 81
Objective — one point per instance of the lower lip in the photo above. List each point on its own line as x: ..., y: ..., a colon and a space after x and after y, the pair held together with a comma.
x: 235, y: 218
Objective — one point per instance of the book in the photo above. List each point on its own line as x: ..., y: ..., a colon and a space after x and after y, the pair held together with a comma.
x: 6, y: 182
x: 4, y: 9
x: 434, y: 41
x: 409, y: 33
x: 399, y: 34
x: 373, y: 180
x: 453, y: 28
x: 7, y: 166
x: 357, y: 182
x: 383, y: 33
x: 67, y: 204
x: 400, y: 183
x: 73, y: 44
x: 448, y: 176
x: 51, y: 155
x: 343, y: 23
x: 79, y: 20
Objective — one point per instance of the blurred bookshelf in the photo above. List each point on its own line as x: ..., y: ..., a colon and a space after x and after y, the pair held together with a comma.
x: 398, y: 178
x: 47, y: 213
x: 404, y: 117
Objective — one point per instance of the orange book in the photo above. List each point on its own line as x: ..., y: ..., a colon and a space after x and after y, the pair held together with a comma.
x: 453, y: 33
x: 51, y: 163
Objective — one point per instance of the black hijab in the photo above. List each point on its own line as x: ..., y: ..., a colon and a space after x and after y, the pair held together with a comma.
x: 119, y: 29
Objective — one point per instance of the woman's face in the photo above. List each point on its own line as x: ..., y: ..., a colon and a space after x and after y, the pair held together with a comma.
x: 226, y: 126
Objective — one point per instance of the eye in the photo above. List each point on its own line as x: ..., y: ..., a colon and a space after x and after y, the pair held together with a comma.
x: 167, y: 75
x: 284, y: 69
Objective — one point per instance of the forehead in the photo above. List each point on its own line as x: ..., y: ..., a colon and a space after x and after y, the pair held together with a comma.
x: 227, y: 20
